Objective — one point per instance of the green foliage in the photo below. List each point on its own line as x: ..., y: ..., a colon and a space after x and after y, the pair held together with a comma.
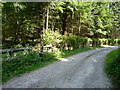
x: 21, y: 22
x: 103, y: 41
x: 84, y: 41
x: 6, y: 55
x: 25, y: 63
x: 118, y: 41
x: 111, y: 42
x: 63, y: 41
x: 58, y: 6
x: 17, y: 46
x: 112, y: 67
x: 51, y: 37
x: 96, y: 42
x: 74, y: 42
x: 24, y: 23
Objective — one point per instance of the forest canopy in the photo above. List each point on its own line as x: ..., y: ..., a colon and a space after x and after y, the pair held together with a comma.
x: 30, y: 23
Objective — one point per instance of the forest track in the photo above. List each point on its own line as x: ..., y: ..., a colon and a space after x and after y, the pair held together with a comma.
x: 83, y: 70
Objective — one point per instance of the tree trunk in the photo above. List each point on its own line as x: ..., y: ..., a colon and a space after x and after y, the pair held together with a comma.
x: 72, y: 22
x: 43, y: 21
x: 64, y: 23
x: 53, y: 25
x: 47, y: 17
x: 79, y: 25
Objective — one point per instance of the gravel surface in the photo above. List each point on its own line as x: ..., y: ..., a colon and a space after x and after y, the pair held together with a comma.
x: 84, y: 70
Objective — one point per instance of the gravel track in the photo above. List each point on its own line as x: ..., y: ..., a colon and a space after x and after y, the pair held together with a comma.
x: 84, y: 70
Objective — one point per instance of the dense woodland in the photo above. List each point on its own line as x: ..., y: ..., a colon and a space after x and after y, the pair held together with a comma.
x: 67, y: 28
x: 59, y: 23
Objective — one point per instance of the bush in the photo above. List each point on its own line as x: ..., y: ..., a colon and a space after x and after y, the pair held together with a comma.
x: 111, y: 42
x: 84, y: 41
x: 25, y: 63
x: 103, y: 41
x: 95, y: 42
x: 51, y: 37
x: 113, y: 66
x: 118, y: 42
x: 63, y: 43
x: 75, y: 42
x: 72, y: 41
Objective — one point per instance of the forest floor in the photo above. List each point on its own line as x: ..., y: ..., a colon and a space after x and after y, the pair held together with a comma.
x: 83, y: 70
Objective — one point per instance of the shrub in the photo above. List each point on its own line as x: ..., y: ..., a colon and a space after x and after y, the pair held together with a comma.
x: 95, y: 42
x: 63, y: 43
x: 76, y: 41
x: 113, y: 66
x: 72, y: 41
x: 25, y: 63
x: 111, y: 42
x: 51, y: 37
x: 103, y: 41
x: 118, y: 41
x: 84, y: 41
x: 19, y: 65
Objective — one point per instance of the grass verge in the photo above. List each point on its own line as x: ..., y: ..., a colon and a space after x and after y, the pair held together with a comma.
x: 32, y: 61
x: 112, y: 67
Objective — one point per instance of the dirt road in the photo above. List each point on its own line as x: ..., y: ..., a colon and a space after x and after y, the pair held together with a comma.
x: 84, y: 70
